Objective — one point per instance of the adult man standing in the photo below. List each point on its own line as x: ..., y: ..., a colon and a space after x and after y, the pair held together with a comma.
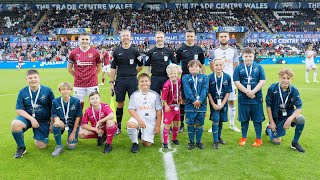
x: 84, y: 65
x: 158, y: 58
x: 187, y: 52
x: 127, y: 63
x: 231, y: 57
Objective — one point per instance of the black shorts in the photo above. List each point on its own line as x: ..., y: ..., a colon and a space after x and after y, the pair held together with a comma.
x: 123, y: 85
x: 157, y: 83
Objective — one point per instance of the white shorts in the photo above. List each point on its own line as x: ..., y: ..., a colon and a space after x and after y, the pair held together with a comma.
x: 233, y: 94
x: 81, y: 93
x: 310, y: 66
x: 147, y: 134
x: 106, y: 68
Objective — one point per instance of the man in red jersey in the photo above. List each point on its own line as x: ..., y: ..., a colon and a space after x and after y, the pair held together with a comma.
x: 105, y: 57
x: 84, y: 65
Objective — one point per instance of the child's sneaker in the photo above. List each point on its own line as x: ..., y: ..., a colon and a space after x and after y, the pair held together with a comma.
x: 257, y: 143
x: 242, y: 141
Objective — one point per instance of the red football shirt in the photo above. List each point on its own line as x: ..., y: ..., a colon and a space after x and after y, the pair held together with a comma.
x: 106, y: 58
x: 85, y: 67
x: 88, y: 115
x: 169, y: 92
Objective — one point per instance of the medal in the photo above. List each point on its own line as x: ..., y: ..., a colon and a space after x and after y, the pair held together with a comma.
x: 219, y: 90
x: 34, y: 104
x: 249, y: 76
x: 219, y: 101
x: 283, y: 103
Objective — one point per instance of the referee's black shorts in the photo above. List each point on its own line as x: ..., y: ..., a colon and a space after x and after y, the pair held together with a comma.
x: 123, y: 85
x: 157, y: 83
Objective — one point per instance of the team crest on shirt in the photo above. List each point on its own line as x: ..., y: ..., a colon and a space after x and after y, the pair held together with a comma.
x: 225, y: 82
x: 255, y: 70
x: 43, y: 97
x: 131, y: 61
x: 73, y: 107
x: 201, y: 79
x: 90, y: 55
x: 165, y: 58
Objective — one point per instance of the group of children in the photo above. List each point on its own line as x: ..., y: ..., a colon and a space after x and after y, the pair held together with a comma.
x: 36, y: 104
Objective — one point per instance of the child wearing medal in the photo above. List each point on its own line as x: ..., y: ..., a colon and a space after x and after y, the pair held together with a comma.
x: 66, y: 114
x: 284, y: 107
x: 219, y: 90
x: 34, y: 111
x: 102, y: 126
x: 196, y: 90
x: 249, y: 77
x: 171, y: 97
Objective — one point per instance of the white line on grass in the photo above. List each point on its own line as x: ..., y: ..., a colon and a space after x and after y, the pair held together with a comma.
x: 169, y: 165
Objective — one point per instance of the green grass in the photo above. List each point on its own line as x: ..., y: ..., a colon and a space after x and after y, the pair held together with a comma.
x: 229, y: 162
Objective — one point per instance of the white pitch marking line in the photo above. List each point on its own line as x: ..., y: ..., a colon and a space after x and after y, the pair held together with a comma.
x: 169, y: 165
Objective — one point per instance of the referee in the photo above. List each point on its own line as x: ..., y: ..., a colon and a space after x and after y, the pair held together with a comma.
x: 158, y: 58
x: 126, y: 63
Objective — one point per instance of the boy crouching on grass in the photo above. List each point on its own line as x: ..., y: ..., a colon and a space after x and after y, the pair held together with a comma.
x: 66, y: 114
x: 196, y: 90
x: 101, y: 118
x: 284, y: 107
x: 145, y: 109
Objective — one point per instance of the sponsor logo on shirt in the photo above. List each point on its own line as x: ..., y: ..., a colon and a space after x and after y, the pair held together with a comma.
x: 79, y: 63
x: 131, y: 61
x: 90, y: 55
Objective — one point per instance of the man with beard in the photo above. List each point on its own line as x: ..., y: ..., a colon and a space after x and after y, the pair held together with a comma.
x: 231, y: 57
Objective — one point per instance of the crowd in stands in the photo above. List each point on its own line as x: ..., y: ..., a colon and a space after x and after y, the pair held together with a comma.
x: 290, y: 20
x: 142, y: 21
x: 19, y: 21
x: 270, y: 49
x: 203, y: 20
x: 99, y: 21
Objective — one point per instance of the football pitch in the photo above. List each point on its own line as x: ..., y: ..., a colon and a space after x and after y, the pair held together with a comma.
x: 229, y: 162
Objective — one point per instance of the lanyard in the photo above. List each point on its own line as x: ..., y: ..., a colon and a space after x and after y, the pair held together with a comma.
x: 220, y: 89
x: 65, y: 114
x: 176, y: 91
x: 33, y: 104
x: 195, y: 80
x: 248, y: 75
x: 94, y: 115
x: 281, y: 98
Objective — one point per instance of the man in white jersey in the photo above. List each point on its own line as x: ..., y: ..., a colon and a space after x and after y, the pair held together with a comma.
x: 310, y: 55
x: 145, y: 109
x: 231, y: 57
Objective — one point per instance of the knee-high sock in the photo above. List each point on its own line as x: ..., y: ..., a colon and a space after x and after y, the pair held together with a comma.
x: 244, y: 128
x: 110, y: 133
x: 133, y: 135
x: 103, y: 80
x: 174, y: 133
x: 215, y: 131
x: 199, y: 130
x: 165, y: 135
x: 220, y: 130
x: 119, y: 114
x: 298, y: 132
x: 57, y: 135
x: 191, y: 131
x: 232, y: 114
x: 315, y: 74
x: 258, y: 129
x: 19, y: 138
x: 82, y: 105
x: 307, y: 75
x: 182, y: 114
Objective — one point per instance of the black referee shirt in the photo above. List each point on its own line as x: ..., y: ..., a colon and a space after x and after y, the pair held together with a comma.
x: 126, y: 60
